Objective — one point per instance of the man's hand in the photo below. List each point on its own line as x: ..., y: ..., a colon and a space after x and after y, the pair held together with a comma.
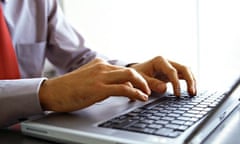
x: 99, y: 80
x: 92, y: 83
x: 158, y: 71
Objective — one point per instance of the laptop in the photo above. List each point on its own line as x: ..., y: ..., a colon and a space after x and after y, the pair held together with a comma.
x: 163, y: 119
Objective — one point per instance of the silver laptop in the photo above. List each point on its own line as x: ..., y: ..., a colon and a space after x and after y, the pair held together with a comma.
x: 163, y: 119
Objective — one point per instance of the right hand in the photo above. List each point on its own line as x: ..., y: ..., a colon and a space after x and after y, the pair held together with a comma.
x: 92, y: 83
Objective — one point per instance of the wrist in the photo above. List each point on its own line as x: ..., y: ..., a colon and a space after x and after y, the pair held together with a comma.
x: 43, y: 95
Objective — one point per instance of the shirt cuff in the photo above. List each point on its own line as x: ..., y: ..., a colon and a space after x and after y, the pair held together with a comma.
x: 19, y: 99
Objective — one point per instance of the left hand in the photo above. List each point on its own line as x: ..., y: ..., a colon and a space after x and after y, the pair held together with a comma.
x: 158, y: 71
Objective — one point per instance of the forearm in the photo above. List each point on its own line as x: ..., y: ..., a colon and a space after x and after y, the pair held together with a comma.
x: 19, y: 100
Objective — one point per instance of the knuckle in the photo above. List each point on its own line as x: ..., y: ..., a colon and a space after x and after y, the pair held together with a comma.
x: 184, y: 68
x: 159, y: 58
x: 101, y: 66
x: 98, y: 60
x: 124, y: 89
x: 172, y: 70
x: 130, y: 72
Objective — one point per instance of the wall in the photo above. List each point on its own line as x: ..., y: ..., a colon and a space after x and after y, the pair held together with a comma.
x: 219, y: 32
x: 136, y: 30
x: 202, y: 34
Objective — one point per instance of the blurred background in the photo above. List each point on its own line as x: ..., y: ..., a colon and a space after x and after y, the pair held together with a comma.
x: 202, y: 34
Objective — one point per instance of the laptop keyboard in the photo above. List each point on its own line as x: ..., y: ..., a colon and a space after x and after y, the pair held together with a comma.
x: 168, y: 116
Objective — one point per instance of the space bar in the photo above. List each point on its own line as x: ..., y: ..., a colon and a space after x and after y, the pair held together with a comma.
x: 123, y: 124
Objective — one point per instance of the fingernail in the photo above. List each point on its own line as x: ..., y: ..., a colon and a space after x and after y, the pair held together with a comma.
x: 144, y: 96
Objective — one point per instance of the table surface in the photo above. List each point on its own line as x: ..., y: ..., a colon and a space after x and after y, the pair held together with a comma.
x: 227, y: 132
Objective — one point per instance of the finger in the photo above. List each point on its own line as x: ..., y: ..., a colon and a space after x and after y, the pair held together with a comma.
x: 156, y: 85
x: 192, y: 86
x: 124, y: 75
x: 162, y: 65
x: 173, y: 77
x: 186, y: 74
x: 130, y: 85
x: 125, y: 90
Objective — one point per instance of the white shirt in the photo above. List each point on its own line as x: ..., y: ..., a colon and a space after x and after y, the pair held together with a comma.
x: 38, y: 31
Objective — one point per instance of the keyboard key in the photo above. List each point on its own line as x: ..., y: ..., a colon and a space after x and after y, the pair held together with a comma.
x: 171, y: 108
x: 118, y: 121
x: 153, y: 118
x: 149, y: 106
x: 184, y: 109
x: 145, y: 114
x: 162, y: 122
x: 193, y: 103
x: 189, y: 123
x: 188, y: 106
x: 182, y: 127
x: 159, y: 114
x: 138, y: 110
x: 173, y: 115
x: 107, y: 124
x: 168, y: 116
x: 147, y: 121
x: 164, y: 131
x: 214, y: 104
x: 193, y: 111
x: 203, y: 112
x: 179, y: 111
x: 155, y: 126
x: 202, y: 106
x: 189, y: 115
x: 207, y: 109
x: 123, y: 124
x: 176, y: 105
x: 139, y: 125
x: 166, y: 111
x: 172, y: 126
x: 180, y: 122
x: 132, y: 114
x: 143, y: 130
x: 198, y: 108
x: 153, y: 111
x: 174, y: 134
x: 184, y: 118
x: 194, y: 119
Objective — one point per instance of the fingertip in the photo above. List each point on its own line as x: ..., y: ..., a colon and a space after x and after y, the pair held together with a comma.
x: 138, y: 95
x: 192, y: 92
x: 143, y: 96
x: 147, y: 90
x: 161, y: 88
x: 177, y: 91
x: 177, y: 94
